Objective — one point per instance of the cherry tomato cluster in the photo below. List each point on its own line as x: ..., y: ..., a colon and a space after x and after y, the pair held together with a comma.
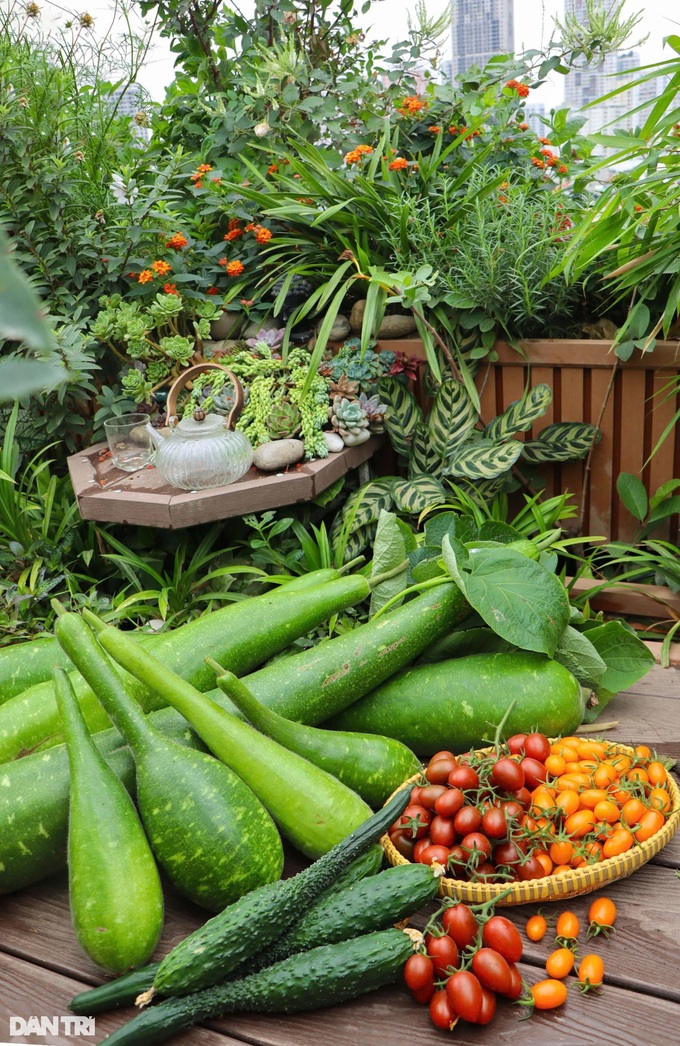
x: 469, y: 959
x: 532, y: 808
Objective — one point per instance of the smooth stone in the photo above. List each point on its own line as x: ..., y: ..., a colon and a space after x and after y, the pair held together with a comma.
x: 353, y: 441
x: 268, y: 323
x: 212, y: 349
x: 397, y: 326
x: 334, y: 442
x: 225, y: 326
x: 339, y: 330
x: 278, y: 454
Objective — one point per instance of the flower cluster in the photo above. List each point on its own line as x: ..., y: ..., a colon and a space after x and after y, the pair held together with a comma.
x: 177, y: 241
x: 197, y: 176
x: 412, y: 105
x: 356, y: 155
x: 522, y: 89
x: 399, y: 163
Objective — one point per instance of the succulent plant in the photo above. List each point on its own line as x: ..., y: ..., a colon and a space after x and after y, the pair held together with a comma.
x: 344, y: 387
x: 374, y: 410
x: 284, y: 420
x: 349, y: 419
x: 271, y: 339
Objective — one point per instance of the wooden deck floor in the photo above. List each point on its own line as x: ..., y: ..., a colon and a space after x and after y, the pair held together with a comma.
x: 41, y: 966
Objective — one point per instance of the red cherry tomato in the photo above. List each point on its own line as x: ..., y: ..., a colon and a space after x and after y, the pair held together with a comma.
x: 486, y: 872
x: 516, y: 743
x: 531, y: 869
x: 513, y: 809
x: 457, y: 863
x: 450, y: 802
x: 476, y: 845
x: 444, y: 754
x: 428, y: 795
x: 443, y: 952
x: 442, y: 831
x: 403, y: 844
x: 438, y: 771
x: 421, y: 845
x: 464, y: 993
x: 418, y: 972
x: 494, y: 824
x: 464, y: 777
x: 467, y: 820
x: 441, y: 1012
x: 535, y: 772
x: 537, y: 746
x: 423, y: 995
x: 432, y: 854
x: 461, y: 925
x: 507, y: 853
x: 414, y: 821
x: 516, y: 987
x: 488, y: 1010
x: 491, y: 970
x: 503, y: 936
x: 522, y: 795
x: 507, y: 774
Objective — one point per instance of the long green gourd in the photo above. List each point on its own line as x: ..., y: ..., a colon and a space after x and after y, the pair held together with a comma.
x: 324, y: 976
x: 452, y: 704
x: 313, y: 809
x: 207, y: 829
x: 241, y: 635
x: 371, y: 765
x: 114, y: 888
x: 25, y: 664
x: 315, y: 683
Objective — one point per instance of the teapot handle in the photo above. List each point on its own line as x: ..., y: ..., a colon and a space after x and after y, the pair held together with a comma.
x: 188, y: 375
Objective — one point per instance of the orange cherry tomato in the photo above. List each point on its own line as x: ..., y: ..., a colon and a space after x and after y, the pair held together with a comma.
x: 604, y: 775
x: 656, y: 772
x: 632, y: 811
x: 572, y: 740
x: 591, y: 971
x: 555, y: 765
x: 592, y: 853
x: 568, y: 802
x: 621, y: 762
x: 560, y: 869
x: 607, y: 811
x: 573, y: 781
x: 536, y: 928
x: 570, y: 755
x: 549, y: 994
x: 601, y: 915
x: 560, y: 963
x: 591, y: 750
x: 568, y: 926
x: 590, y: 797
x: 618, y: 843
x: 545, y: 860
x: 573, y: 768
x: 643, y: 752
x: 580, y: 823
x: 659, y: 799
x: 587, y: 766
x: 636, y: 774
x: 561, y: 851
x: 649, y: 824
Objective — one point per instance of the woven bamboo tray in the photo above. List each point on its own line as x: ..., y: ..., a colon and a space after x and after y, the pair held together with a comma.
x: 568, y: 884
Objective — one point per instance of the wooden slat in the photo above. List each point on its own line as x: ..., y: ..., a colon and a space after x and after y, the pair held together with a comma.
x: 629, y: 598
x: 599, y: 518
x: 663, y: 408
x: 564, y: 352
x: 572, y: 409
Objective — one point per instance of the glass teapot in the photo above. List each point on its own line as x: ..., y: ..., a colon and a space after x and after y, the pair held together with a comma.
x: 201, y: 451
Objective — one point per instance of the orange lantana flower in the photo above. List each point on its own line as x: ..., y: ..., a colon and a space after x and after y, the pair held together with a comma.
x: 170, y: 288
x: 161, y: 268
x: 233, y: 234
x: 234, y: 268
x: 262, y: 235
x: 177, y: 241
x: 398, y: 164
x: 145, y: 276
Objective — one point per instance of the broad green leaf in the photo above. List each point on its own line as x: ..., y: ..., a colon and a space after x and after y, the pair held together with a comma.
x: 20, y: 311
x: 632, y: 492
x: 389, y: 551
x: 25, y: 377
x: 516, y: 597
x: 495, y: 530
x: 577, y: 653
x: 437, y: 526
x: 626, y: 657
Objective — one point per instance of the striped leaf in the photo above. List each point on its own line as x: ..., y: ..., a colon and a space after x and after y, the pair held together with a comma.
x: 563, y: 441
x: 451, y: 418
x: 403, y: 415
x: 520, y: 415
x: 482, y: 459
x: 413, y: 496
x: 359, y: 540
x: 483, y: 491
x: 423, y: 461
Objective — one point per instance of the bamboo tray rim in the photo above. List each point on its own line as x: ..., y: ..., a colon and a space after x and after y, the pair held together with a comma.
x: 568, y: 884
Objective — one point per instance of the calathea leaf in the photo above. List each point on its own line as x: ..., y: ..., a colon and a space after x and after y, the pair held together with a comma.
x: 403, y: 415
x: 361, y: 511
x: 422, y: 460
x: 451, y: 418
x: 515, y: 596
x: 413, y: 496
x: 483, y: 459
x: 520, y: 415
x: 563, y: 441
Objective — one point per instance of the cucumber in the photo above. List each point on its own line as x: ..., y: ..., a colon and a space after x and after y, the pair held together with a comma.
x: 251, y: 924
x: 124, y: 990
x: 208, y: 831
x: 322, y: 977
x: 25, y: 664
x: 454, y: 704
x: 371, y: 765
x: 313, y: 809
x: 114, y: 888
x: 241, y: 636
x: 313, y: 685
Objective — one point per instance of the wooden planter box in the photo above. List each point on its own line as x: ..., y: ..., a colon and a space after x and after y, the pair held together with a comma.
x: 590, y: 384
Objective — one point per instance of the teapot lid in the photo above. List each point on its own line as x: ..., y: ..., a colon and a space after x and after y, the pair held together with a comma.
x: 200, y: 425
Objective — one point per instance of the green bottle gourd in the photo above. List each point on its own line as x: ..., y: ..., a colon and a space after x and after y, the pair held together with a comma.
x: 373, y: 766
x: 313, y: 809
x: 114, y: 887
x: 207, y: 829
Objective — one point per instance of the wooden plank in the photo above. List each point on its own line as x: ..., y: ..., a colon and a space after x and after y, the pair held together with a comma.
x: 626, y: 597
x: 572, y: 409
x: 28, y: 991
x: 600, y: 411
x: 663, y: 408
x: 632, y: 453
x: 565, y: 352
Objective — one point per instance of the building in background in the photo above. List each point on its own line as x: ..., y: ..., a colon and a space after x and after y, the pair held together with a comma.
x: 480, y: 29
x: 129, y: 101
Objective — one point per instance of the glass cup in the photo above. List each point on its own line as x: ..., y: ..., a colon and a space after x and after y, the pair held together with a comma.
x: 129, y: 442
